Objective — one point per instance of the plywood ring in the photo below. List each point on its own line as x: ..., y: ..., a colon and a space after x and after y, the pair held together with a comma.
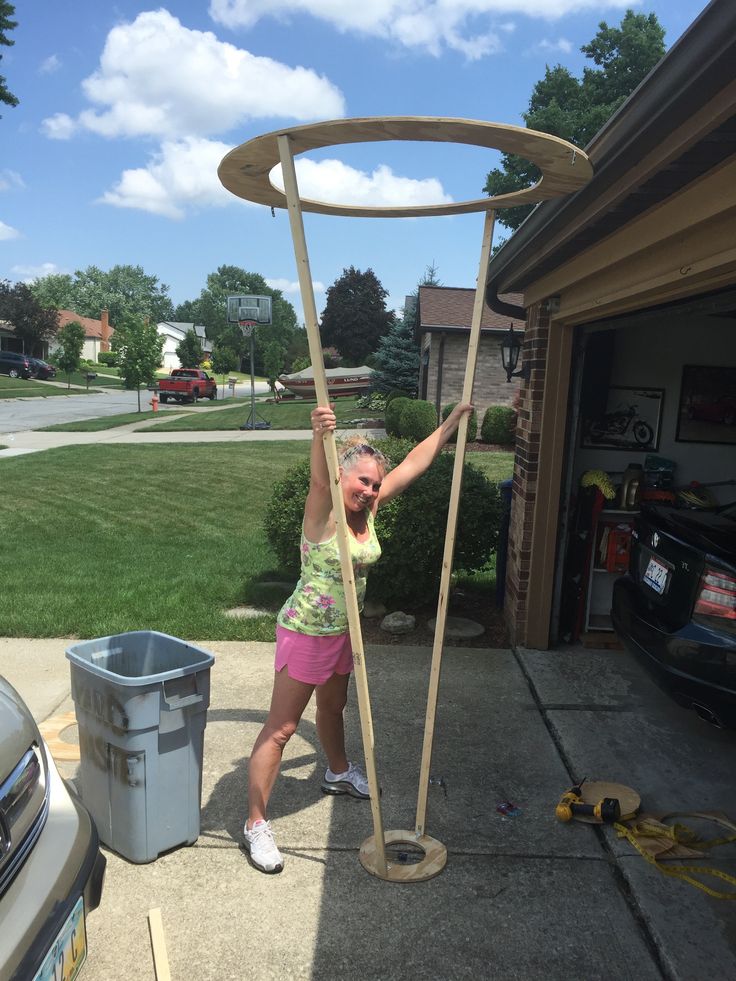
x: 51, y: 731
x: 433, y: 862
x: 245, y: 170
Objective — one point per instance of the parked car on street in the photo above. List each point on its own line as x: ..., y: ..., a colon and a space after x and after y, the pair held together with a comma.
x: 51, y: 867
x: 187, y: 385
x: 676, y: 606
x: 42, y: 369
x: 16, y: 365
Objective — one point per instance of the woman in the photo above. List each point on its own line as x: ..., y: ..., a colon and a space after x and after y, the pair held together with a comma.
x: 313, y: 648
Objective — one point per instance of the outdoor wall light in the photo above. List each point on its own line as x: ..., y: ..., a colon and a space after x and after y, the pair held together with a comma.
x: 510, y: 351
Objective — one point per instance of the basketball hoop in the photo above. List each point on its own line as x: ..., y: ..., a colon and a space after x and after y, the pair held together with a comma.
x: 247, y: 327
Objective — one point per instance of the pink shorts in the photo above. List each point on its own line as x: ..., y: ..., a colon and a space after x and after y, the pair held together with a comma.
x: 313, y: 660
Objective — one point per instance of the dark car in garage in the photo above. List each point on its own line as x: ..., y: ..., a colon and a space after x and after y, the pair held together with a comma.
x: 51, y: 867
x: 676, y: 606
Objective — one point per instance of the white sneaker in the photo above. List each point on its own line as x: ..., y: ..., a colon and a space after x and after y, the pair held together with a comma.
x: 262, y: 848
x: 353, y: 781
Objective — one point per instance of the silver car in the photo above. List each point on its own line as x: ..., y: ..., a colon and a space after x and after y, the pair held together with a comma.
x: 51, y: 867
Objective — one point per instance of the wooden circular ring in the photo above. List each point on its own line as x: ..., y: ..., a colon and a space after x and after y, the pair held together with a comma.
x: 433, y: 862
x: 245, y: 170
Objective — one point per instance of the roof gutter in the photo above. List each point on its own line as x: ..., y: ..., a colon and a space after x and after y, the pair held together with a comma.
x: 696, y: 68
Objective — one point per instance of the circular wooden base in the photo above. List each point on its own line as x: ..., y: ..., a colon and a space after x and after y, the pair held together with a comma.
x: 433, y: 862
x: 51, y: 731
x: 594, y: 790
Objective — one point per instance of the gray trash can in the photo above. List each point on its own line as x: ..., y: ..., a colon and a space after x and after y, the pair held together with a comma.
x: 141, y: 703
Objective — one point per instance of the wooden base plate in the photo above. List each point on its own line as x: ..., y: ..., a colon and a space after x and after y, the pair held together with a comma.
x: 594, y: 790
x: 431, y: 864
x: 51, y: 731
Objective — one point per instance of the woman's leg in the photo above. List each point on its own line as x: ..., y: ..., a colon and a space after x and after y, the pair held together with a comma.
x: 289, y: 699
x: 331, y: 699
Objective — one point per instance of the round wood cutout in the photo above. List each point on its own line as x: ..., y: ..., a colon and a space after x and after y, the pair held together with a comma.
x: 245, y: 170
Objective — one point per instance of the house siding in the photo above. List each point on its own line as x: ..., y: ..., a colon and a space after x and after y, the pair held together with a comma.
x: 446, y: 371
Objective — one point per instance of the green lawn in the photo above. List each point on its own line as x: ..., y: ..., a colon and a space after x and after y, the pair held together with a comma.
x: 281, y: 415
x: 106, y: 378
x: 29, y: 388
x: 104, y: 539
x: 97, y: 425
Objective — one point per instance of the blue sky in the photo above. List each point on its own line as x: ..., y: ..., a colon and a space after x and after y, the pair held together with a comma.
x: 127, y: 108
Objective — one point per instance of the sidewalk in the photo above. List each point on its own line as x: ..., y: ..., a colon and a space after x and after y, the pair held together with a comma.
x: 32, y: 441
x: 521, y: 897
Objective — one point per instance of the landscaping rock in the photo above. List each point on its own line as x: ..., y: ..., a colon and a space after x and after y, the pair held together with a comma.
x: 398, y: 623
x: 458, y: 628
x: 373, y: 610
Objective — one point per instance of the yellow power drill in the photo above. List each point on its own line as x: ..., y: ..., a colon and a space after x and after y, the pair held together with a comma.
x: 572, y: 805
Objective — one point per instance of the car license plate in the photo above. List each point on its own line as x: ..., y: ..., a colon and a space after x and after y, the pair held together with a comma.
x: 69, y: 951
x: 656, y: 576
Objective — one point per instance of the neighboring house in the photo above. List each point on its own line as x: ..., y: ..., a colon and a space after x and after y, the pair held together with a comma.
x: 173, y: 333
x: 445, y: 317
x: 97, y: 334
x: 629, y: 291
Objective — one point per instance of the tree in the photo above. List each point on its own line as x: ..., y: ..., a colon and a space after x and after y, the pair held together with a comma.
x: 234, y: 281
x: 574, y: 109
x: 68, y: 355
x: 273, y: 364
x: 187, y: 313
x: 139, y: 347
x: 124, y: 291
x: 224, y: 360
x: 6, y: 24
x: 55, y: 290
x: 411, y: 309
x: 32, y: 323
x: 355, y: 315
x: 189, y: 350
x: 396, y: 364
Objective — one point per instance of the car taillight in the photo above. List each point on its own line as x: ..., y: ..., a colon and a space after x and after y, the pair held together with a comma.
x: 716, y: 594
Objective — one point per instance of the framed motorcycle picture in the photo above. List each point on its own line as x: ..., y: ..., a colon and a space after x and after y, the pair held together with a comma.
x: 631, y: 421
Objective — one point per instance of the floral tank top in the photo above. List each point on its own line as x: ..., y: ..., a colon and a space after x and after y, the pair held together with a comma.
x: 317, y: 606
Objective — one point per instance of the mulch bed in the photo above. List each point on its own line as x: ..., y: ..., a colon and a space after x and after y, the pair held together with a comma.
x: 468, y: 607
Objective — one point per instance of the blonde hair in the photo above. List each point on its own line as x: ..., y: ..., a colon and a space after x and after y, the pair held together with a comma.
x: 354, y: 447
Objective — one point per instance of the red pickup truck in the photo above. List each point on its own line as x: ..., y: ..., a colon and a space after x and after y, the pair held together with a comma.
x: 187, y: 385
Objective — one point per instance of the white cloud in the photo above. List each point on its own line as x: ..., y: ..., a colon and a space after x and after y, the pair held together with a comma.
x: 158, y: 78
x: 181, y: 175
x: 50, y: 65
x: 335, y: 182
x: 7, y: 232
x: 28, y: 274
x: 290, y: 286
x: 59, y: 126
x: 468, y: 26
x: 560, y: 46
x: 10, y: 179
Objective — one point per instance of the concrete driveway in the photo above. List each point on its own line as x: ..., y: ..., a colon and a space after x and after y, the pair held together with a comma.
x: 521, y: 897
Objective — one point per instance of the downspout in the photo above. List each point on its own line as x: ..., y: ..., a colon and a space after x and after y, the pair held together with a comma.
x: 500, y: 306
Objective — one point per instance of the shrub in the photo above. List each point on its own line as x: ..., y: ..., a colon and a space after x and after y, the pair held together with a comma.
x: 499, y: 425
x: 472, y: 423
x: 392, y: 416
x: 411, y: 527
x: 397, y: 393
x: 375, y: 401
x: 110, y: 358
x: 417, y: 419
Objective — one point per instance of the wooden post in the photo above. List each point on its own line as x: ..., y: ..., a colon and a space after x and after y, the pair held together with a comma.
x: 338, y: 506
x: 452, y: 515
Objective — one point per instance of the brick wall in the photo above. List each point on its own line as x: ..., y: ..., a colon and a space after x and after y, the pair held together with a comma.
x: 490, y: 388
x: 526, y: 469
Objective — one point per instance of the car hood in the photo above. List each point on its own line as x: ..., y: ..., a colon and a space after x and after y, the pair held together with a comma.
x: 17, y: 728
x: 709, y: 531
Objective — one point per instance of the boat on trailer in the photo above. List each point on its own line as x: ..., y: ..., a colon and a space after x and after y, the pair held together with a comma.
x: 341, y: 382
